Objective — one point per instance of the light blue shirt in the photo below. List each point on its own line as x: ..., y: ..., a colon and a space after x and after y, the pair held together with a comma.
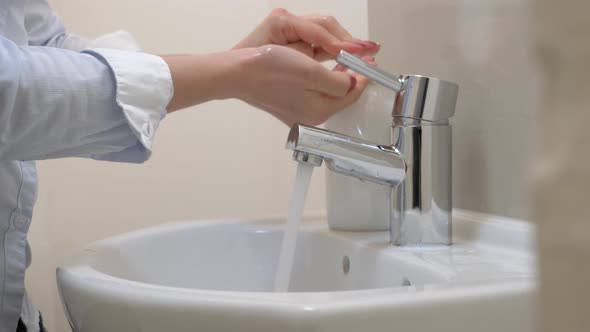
x: 99, y: 103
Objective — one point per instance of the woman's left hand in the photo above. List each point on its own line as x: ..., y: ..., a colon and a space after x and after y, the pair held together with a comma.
x: 319, y: 37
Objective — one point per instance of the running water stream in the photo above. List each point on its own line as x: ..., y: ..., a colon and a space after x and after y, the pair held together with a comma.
x: 285, y: 265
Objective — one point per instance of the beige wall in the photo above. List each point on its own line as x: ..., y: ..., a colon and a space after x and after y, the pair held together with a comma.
x: 562, y: 165
x: 222, y: 159
x: 484, y: 46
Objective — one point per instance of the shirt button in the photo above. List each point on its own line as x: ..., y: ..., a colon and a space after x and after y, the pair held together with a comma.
x: 21, y: 221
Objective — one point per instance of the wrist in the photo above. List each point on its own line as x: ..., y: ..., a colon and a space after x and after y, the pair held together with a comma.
x: 205, y: 77
x: 235, y: 77
x: 243, y: 74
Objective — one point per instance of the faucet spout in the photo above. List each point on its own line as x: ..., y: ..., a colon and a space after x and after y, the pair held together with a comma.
x: 346, y: 155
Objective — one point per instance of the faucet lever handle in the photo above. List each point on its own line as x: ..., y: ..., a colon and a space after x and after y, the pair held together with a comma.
x: 372, y: 72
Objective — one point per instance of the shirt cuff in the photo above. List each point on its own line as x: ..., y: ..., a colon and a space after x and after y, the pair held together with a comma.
x: 143, y: 89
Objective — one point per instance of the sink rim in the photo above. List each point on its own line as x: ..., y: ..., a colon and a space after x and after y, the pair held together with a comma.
x: 78, y: 269
x: 112, y: 287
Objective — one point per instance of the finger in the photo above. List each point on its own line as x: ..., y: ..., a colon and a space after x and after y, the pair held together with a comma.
x: 370, y: 50
x: 340, y: 67
x: 281, y: 11
x: 304, y: 48
x: 333, y: 105
x: 332, y: 83
x: 318, y: 36
x: 331, y: 24
x: 315, y: 53
x: 322, y: 55
x: 370, y: 59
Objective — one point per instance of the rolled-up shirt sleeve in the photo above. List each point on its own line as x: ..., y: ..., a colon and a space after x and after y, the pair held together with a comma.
x: 101, y: 103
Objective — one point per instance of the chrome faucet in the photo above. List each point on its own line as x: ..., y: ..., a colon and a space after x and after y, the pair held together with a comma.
x: 417, y: 164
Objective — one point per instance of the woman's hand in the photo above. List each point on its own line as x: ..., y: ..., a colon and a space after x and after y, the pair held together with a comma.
x: 276, y: 68
x: 295, y: 88
x: 319, y: 37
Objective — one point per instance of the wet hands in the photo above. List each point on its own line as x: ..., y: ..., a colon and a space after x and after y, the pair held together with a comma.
x: 319, y: 37
x: 283, y: 76
x: 295, y: 89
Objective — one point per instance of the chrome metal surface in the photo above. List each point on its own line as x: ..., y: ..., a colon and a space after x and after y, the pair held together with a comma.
x: 419, y: 97
x: 426, y: 99
x: 346, y: 155
x: 421, y: 205
x: 417, y: 164
x: 307, y: 158
x: 366, y: 69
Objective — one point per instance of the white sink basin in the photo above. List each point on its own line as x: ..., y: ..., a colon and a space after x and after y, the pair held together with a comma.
x: 218, y: 276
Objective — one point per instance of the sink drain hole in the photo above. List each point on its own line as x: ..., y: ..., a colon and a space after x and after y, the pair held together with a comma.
x: 406, y: 282
x: 345, y: 264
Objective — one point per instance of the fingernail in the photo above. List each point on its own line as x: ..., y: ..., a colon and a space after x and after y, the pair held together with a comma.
x: 374, y: 44
x: 369, y: 58
x: 352, y: 83
x: 368, y: 44
x: 364, y: 44
x: 339, y: 67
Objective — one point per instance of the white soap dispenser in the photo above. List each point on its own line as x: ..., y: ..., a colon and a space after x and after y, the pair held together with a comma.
x: 352, y: 204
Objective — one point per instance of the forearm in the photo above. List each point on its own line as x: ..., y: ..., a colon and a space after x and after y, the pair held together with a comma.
x: 201, y: 78
x: 56, y: 103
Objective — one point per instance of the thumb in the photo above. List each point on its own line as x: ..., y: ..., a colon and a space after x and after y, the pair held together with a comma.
x: 334, y: 105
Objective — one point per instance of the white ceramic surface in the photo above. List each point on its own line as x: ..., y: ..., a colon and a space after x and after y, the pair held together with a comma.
x: 217, y: 276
